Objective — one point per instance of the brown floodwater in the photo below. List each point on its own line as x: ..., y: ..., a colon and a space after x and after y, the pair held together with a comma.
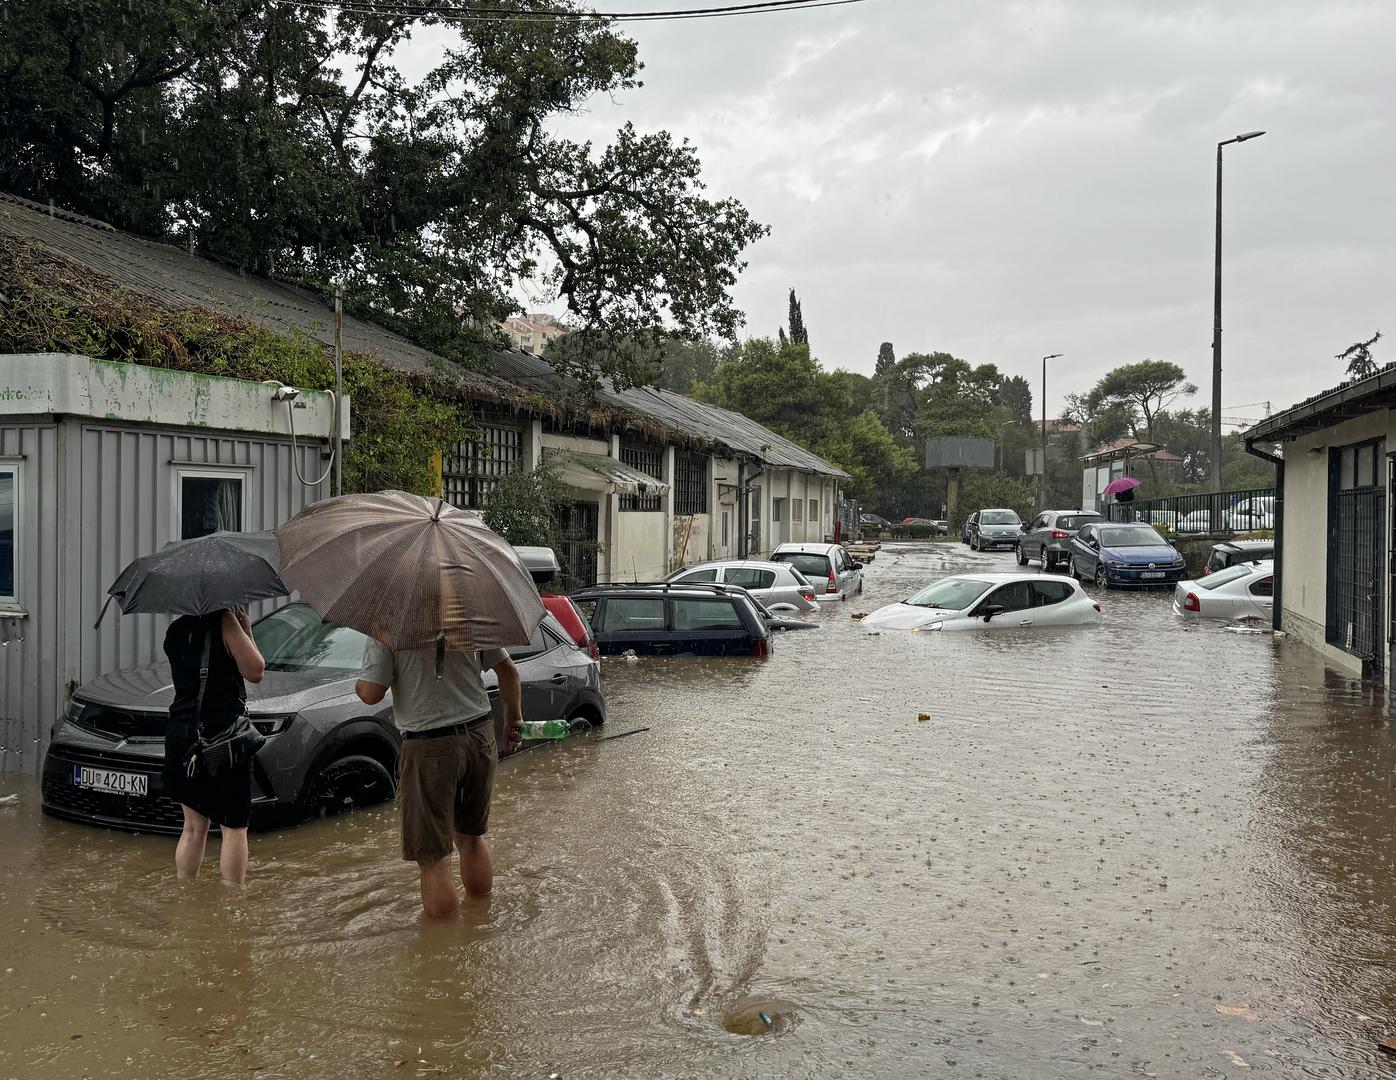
x: 1142, y: 849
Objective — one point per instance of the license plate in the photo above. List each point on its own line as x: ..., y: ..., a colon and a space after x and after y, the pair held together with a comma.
x: 109, y: 780
x: 1152, y: 574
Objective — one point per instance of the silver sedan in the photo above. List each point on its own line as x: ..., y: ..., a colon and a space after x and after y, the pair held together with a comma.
x: 779, y: 586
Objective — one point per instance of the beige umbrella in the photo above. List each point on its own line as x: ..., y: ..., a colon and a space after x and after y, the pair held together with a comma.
x: 409, y: 571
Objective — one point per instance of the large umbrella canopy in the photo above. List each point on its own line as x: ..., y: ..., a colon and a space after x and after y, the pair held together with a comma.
x: 410, y: 572
x: 200, y: 576
x: 1123, y: 484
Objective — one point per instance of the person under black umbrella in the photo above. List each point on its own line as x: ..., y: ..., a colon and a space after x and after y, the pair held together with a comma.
x: 209, y: 743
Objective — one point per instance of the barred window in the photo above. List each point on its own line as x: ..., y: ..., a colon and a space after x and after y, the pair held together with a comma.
x: 690, y: 483
x: 650, y: 461
x: 472, y: 466
x: 797, y: 507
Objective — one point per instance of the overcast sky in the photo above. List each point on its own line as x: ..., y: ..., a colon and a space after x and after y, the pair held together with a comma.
x: 1002, y: 181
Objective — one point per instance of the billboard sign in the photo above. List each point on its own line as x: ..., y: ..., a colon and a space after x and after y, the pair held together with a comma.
x: 957, y: 452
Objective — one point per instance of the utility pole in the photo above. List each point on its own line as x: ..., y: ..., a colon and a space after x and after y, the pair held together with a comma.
x: 1217, y: 319
x: 338, y: 391
x: 1042, y: 465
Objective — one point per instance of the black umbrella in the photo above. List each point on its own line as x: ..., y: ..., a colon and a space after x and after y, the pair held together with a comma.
x: 200, y: 576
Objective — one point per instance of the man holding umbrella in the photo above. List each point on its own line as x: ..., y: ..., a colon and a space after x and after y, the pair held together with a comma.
x: 439, y: 595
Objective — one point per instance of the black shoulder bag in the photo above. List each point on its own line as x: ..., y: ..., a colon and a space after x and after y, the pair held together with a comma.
x: 231, y: 748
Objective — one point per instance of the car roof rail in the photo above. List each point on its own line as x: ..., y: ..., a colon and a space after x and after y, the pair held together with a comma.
x: 716, y: 587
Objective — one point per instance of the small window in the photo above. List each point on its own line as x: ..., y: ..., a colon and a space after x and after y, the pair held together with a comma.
x: 797, y: 509
x: 726, y: 528
x: 715, y: 614
x: 1046, y: 593
x: 706, y: 574
x: 624, y: 614
x: 814, y: 509
x: 9, y: 501
x: 1264, y: 587
x: 749, y: 577
x: 208, y: 503
x: 537, y: 645
x: 1366, y: 465
x: 1347, y: 468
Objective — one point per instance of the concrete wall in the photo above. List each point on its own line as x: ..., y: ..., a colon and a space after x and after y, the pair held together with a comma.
x: 1304, y: 580
x: 640, y: 546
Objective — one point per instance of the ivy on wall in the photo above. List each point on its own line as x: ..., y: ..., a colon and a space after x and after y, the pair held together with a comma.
x: 397, y: 421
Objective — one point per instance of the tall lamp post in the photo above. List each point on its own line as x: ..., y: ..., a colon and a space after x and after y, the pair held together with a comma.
x: 1042, y: 476
x: 1216, y: 319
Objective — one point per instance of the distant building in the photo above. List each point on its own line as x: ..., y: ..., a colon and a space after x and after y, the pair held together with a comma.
x: 531, y: 333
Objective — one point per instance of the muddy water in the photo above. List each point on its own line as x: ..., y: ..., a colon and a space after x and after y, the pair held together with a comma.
x: 1133, y: 850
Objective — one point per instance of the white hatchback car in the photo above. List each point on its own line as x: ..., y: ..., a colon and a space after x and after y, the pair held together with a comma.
x: 777, y: 585
x: 834, y: 573
x: 1240, y: 591
x: 990, y: 602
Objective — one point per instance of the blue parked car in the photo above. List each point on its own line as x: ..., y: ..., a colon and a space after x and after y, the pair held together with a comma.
x: 1119, y: 555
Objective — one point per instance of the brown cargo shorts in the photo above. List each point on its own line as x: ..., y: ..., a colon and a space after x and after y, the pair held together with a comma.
x: 444, y: 785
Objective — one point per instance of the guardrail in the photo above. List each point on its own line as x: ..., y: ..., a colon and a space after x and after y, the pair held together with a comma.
x: 1211, y: 512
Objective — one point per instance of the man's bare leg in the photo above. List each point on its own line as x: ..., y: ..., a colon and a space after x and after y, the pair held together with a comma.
x: 476, y: 864
x: 439, y: 897
x: 232, y: 855
x: 189, y: 852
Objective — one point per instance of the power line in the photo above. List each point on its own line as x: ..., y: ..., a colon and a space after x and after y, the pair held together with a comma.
x: 462, y: 14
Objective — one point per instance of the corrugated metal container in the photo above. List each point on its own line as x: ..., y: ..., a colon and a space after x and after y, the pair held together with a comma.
x: 91, y: 496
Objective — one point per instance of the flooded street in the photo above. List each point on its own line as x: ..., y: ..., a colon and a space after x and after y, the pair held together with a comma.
x: 1137, y: 849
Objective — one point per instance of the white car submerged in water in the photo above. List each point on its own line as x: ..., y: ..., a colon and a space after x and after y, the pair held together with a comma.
x: 990, y: 602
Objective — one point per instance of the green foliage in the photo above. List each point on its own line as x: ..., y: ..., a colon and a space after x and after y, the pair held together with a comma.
x: 395, y: 425
x: 526, y: 509
x: 980, y: 489
x: 1142, y: 391
x: 798, y: 334
x: 1359, y: 357
x: 288, y: 140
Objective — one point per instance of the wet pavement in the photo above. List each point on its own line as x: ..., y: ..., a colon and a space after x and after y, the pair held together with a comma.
x: 1141, y: 849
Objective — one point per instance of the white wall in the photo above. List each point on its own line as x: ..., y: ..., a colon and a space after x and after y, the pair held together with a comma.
x: 640, y: 547
x: 1304, y: 576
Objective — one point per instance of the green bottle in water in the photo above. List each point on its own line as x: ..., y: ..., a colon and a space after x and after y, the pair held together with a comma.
x: 546, y: 729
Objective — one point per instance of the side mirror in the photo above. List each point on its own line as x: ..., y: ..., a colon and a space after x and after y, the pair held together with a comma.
x: 990, y: 610
x: 857, y: 565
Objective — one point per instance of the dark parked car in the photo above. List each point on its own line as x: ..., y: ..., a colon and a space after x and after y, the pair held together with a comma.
x: 985, y: 529
x: 1118, y: 555
x: 325, y: 750
x: 1047, y: 537
x: 671, y: 619
x: 1238, y: 551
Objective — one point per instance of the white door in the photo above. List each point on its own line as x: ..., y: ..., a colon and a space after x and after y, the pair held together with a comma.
x: 1016, y: 598
x: 1054, y: 603
x: 1260, y: 596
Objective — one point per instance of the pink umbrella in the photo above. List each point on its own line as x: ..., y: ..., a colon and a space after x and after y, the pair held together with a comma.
x: 1124, y: 483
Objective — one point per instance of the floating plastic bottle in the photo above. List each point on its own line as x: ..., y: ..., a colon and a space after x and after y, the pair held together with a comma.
x: 546, y: 729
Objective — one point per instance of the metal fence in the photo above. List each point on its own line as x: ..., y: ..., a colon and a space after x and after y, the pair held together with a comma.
x: 1224, y: 512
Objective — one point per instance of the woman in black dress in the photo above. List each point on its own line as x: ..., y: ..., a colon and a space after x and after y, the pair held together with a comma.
x: 227, y: 798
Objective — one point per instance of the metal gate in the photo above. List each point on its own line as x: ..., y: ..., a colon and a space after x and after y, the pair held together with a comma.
x: 580, y: 524
x: 1356, y: 568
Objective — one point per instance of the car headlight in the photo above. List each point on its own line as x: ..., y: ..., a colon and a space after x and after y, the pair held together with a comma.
x: 74, y: 710
x: 272, y: 725
x: 928, y: 626
x: 1116, y: 565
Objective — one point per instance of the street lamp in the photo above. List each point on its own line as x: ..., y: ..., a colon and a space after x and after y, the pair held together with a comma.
x: 1042, y: 475
x: 1216, y: 319
x: 999, y: 440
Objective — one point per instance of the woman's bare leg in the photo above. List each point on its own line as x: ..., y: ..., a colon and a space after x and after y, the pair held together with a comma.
x: 232, y: 855
x: 189, y: 852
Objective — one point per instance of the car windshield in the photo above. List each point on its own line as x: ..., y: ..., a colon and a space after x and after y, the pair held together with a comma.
x: 295, y: 638
x: 1221, y: 577
x: 1131, y: 536
x: 952, y: 594
x: 998, y: 517
x: 814, y: 566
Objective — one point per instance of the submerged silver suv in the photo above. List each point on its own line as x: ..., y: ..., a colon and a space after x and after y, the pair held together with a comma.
x: 325, y: 750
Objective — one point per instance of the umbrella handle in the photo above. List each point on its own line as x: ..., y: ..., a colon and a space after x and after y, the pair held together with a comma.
x: 103, y: 613
x: 441, y: 654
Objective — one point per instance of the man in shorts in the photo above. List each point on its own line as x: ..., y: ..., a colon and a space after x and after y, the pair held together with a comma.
x: 446, y: 766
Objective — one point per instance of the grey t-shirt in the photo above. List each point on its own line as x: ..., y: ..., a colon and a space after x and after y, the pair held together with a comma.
x: 421, y: 701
